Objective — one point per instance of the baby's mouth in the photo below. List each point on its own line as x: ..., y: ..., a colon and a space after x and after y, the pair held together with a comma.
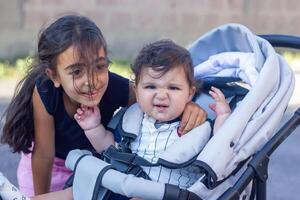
x: 161, y: 107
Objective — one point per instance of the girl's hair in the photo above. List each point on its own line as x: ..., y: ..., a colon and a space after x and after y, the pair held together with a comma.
x: 162, y: 56
x: 70, y: 30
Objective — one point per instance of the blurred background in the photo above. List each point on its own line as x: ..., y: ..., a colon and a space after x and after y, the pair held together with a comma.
x: 128, y: 25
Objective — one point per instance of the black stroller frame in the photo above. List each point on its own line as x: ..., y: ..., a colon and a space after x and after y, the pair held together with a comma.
x: 257, y: 169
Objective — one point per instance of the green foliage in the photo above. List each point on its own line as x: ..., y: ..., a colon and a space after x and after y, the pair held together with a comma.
x: 121, y: 67
x: 293, y: 58
x: 17, y: 69
x: 14, y: 70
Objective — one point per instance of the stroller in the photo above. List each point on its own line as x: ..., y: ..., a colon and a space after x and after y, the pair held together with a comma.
x: 257, y: 83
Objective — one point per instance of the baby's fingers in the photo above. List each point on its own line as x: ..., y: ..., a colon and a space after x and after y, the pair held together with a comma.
x: 79, y: 111
x: 83, y: 107
x: 217, y: 94
x: 77, y: 117
x: 213, y: 94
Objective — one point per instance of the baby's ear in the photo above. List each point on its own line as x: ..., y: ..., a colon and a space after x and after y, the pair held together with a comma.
x: 52, y: 75
x: 134, y: 86
x: 192, y: 93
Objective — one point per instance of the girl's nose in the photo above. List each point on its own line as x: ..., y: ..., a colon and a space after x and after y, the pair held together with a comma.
x: 87, y: 81
x: 92, y: 81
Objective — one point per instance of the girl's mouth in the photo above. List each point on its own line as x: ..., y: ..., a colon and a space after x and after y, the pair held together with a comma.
x: 91, y: 94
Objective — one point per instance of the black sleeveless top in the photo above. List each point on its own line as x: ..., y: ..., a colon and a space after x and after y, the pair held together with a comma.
x: 68, y: 134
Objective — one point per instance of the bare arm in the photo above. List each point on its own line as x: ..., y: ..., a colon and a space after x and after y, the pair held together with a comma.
x: 219, y: 121
x: 100, y: 138
x: 65, y: 194
x: 44, y: 147
x: 89, y: 119
x: 220, y: 107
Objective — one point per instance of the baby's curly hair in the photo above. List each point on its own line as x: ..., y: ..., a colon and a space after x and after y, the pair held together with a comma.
x: 162, y: 56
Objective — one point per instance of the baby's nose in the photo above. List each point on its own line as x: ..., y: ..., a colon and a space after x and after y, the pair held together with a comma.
x: 162, y: 94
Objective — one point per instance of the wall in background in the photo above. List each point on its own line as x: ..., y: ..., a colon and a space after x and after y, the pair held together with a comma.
x: 129, y: 24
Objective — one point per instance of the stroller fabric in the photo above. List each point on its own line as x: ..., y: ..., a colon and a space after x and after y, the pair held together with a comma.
x: 230, y: 50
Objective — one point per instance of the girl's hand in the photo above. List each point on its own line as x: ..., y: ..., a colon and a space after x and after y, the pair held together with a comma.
x: 88, y: 117
x: 220, y: 107
x: 193, y: 115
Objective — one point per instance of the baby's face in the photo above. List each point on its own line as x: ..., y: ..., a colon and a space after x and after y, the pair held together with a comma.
x: 163, y: 98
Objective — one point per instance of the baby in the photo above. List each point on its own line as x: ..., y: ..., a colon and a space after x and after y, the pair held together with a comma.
x: 164, y: 84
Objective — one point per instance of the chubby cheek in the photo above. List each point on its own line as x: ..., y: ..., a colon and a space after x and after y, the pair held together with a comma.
x: 178, y: 110
x: 145, y: 102
x: 178, y: 105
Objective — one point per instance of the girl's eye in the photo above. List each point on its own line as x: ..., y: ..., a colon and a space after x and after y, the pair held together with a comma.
x: 76, y: 72
x: 150, y: 87
x: 101, y: 68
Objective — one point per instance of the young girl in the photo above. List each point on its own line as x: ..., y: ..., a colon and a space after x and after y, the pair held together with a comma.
x: 70, y: 69
x: 164, y: 84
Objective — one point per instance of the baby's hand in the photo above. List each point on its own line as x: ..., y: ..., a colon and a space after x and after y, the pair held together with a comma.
x: 88, y: 117
x: 220, y: 107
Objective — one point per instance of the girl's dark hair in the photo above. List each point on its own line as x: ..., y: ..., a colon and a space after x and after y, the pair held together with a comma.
x: 70, y: 30
x: 162, y: 56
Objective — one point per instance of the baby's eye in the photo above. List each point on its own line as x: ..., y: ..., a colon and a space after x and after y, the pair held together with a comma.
x: 150, y: 87
x: 174, y: 88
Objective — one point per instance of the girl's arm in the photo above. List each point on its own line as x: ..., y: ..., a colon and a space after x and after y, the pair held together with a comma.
x: 89, y: 119
x: 220, y: 107
x: 44, y: 147
x: 65, y: 194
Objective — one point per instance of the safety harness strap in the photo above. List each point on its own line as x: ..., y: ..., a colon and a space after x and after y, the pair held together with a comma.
x: 174, y: 192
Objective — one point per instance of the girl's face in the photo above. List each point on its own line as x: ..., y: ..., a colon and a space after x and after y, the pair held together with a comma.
x: 75, y: 79
x: 163, y: 98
